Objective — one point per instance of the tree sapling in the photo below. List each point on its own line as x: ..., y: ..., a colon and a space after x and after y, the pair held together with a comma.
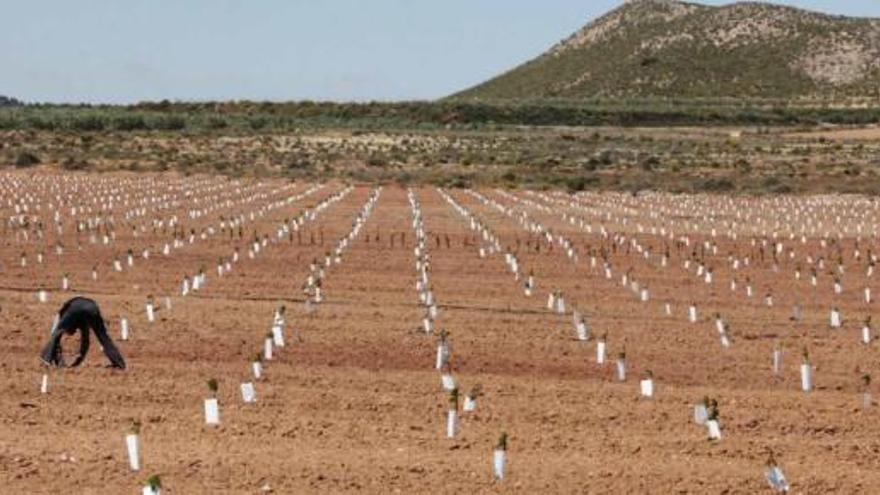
x: 712, y: 423
x: 132, y: 444
x: 600, y: 349
x: 248, y: 392
x: 470, y: 400
x: 446, y: 378
x: 257, y: 365
x: 647, y: 385
x: 452, y: 414
x: 806, y: 372
x: 774, y: 476
x: 443, y: 350
x: 701, y: 412
x: 835, y: 318
x: 153, y: 486
x: 777, y: 359
x: 267, y: 347
x: 500, y: 457
x: 151, y: 308
x: 212, y: 409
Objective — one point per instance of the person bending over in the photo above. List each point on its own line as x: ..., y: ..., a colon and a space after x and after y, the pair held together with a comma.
x: 80, y: 314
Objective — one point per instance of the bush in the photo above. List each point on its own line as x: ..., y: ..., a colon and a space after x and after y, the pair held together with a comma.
x: 88, y: 123
x: 377, y: 161
x: 130, y: 123
x: 649, y: 162
x: 722, y: 184
x: 169, y: 123
x: 73, y: 164
x: 575, y: 184
x: 458, y: 181
x: 217, y: 123
x: 258, y: 123
x: 26, y: 159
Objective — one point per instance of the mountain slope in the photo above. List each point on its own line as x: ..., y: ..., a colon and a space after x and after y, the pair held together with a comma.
x: 667, y: 48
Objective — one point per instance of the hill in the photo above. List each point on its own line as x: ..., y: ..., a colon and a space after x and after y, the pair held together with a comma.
x: 672, y: 49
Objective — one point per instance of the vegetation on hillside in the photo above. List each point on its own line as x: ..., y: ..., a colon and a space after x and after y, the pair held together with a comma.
x: 667, y: 48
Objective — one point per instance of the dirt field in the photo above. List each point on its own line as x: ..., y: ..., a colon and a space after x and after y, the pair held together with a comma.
x: 859, y: 134
x: 353, y: 402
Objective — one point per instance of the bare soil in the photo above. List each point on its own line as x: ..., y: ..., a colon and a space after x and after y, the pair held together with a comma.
x: 353, y: 403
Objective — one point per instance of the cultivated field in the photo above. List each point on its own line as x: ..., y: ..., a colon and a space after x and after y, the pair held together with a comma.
x: 354, y: 402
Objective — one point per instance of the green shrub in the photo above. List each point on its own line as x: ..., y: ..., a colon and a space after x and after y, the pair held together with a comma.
x: 26, y: 159
x: 377, y: 160
x: 168, y: 123
x: 217, y: 123
x: 722, y: 184
x: 580, y: 183
x: 130, y: 123
x: 87, y: 123
x: 74, y: 164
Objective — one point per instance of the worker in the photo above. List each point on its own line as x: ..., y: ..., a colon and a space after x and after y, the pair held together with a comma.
x: 80, y: 314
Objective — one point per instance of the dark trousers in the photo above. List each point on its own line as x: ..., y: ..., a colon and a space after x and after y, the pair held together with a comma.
x: 83, y: 315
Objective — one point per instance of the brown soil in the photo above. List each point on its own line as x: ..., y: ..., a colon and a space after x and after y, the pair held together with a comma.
x: 356, y: 406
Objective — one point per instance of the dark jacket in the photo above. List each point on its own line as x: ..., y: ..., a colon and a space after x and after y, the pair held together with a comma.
x: 80, y: 314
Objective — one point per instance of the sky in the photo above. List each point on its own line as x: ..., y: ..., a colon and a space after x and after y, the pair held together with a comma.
x: 124, y: 51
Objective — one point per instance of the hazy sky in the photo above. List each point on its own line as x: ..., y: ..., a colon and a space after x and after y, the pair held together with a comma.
x: 121, y: 51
